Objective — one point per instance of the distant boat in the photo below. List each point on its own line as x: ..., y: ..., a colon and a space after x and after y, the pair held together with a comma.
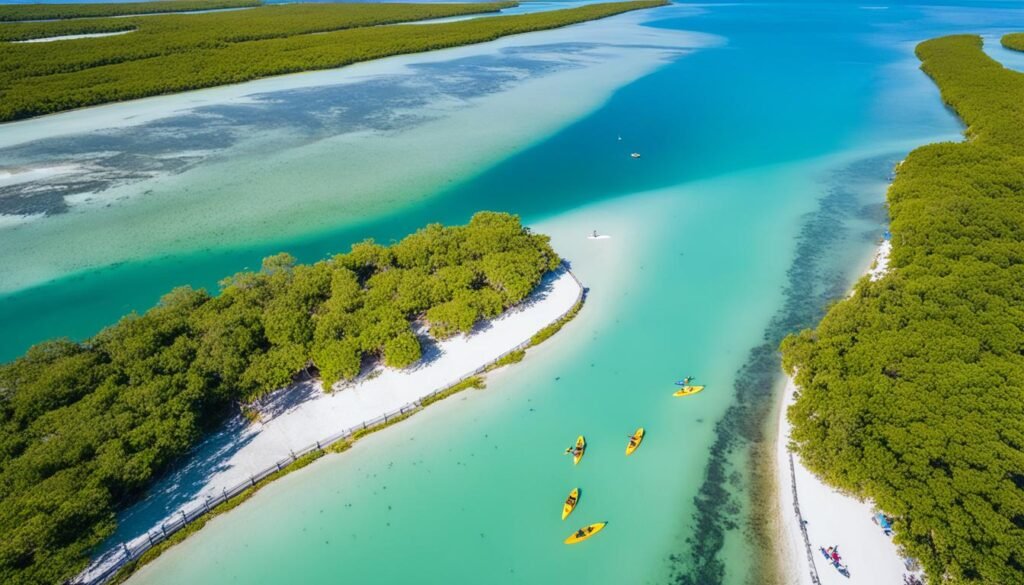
x: 635, y: 155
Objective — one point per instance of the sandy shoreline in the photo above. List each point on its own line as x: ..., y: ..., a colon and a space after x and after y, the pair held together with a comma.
x: 829, y: 517
x: 304, y: 414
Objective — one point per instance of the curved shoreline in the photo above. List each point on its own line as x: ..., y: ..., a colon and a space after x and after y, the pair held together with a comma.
x: 812, y: 514
x: 303, y: 420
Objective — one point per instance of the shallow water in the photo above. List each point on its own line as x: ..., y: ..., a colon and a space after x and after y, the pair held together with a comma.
x: 757, y: 198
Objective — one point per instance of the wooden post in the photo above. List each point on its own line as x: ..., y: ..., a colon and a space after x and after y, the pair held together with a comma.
x: 252, y: 481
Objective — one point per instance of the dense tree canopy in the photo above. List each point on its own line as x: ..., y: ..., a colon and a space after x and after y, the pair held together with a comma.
x: 912, y: 390
x: 84, y: 427
x: 16, y: 12
x: 172, y: 53
x: 168, y: 34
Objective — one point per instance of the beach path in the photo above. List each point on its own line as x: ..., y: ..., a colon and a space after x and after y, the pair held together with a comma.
x: 832, y: 519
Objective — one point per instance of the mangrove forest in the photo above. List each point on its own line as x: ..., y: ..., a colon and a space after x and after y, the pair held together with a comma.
x: 172, y: 53
x: 85, y: 427
x: 912, y: 389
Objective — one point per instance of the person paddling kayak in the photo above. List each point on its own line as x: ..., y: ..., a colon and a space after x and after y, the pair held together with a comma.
x: 577, y: 450
x: 685, y: 381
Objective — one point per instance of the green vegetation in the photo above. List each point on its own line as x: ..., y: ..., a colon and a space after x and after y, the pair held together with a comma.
x: 1014, y: 41
x: 155, y: 36
x: 471, y: 382
x: 85, y: 427
x: 15, y: 12
x: 23, y: 31
x: 912, y: 390
x: 41, y: 78
x: 513, y: 357
x: 555, y: 327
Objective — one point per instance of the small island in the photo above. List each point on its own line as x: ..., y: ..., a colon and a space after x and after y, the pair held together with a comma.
x: 87, y: 427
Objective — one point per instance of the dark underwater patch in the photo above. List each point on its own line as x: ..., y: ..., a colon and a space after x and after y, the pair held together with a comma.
x: 815, y: 278
x: 120, y: 156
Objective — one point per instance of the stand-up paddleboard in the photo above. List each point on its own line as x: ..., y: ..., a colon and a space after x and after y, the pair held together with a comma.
x: 570, y: 503
x: 635, y: 441
x: 585, y: 533
x: 688, y: 390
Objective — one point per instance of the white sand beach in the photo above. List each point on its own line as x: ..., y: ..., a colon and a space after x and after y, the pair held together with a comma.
x: 303, y: 414
x: 830, y: 518
x: 881, y: 265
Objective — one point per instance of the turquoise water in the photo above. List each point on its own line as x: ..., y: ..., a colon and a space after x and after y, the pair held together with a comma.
x: 758, y: 197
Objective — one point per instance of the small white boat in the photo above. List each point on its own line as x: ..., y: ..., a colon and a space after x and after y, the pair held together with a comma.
x: 635, y: 155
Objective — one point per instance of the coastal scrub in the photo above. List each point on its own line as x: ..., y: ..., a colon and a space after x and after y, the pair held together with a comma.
x: 912, y: 390
x: 180, y: 53
x: 85, y: 427
x: 18, y: 12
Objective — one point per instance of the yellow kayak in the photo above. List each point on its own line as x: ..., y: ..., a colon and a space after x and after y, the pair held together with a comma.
x: 581, y: 445
x: 570, y: 503
x: 688, y: 390
x: 635, y: 441
x: 585, y: 533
